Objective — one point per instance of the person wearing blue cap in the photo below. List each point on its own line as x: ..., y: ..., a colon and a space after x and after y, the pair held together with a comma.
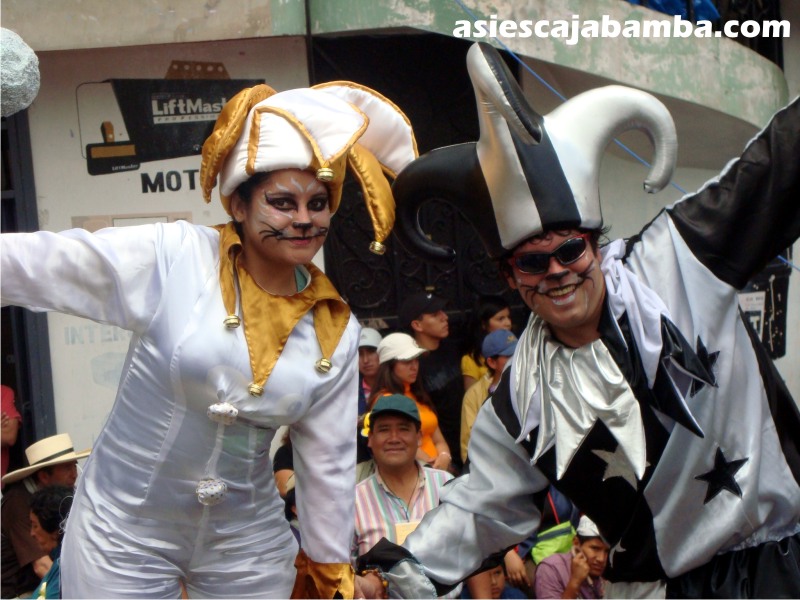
x: 497, y: 348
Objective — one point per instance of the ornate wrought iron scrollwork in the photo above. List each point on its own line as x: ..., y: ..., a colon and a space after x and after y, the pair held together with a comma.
x: 375, y: 285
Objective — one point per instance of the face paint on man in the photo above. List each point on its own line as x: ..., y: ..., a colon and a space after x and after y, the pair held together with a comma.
x: 566, y: 290
x: 562, y: 293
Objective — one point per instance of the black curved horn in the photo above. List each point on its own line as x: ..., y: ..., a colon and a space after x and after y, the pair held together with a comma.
x: 452, y: 174
x: 507, y: 97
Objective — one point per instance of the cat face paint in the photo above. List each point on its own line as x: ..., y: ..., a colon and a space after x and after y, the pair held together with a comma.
x: 291, y: 205
x: 286, y: 220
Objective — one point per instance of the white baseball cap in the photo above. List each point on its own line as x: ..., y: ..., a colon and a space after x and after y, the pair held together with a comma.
x: 369, y: 337
x: 587, y: 528
x: 398, y: 346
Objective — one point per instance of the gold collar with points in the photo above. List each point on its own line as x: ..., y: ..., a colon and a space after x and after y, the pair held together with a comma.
x: 268, y: 319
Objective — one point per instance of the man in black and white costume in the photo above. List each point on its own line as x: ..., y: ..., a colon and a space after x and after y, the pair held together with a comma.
x: 637, y: 387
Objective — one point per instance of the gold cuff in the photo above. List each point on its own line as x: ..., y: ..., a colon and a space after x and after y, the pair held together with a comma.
x: 322, y: 580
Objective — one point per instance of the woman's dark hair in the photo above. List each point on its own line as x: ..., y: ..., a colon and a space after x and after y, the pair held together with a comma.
x: 486, y: 307
x: 387, y: 382
x: 51, y: 505
x: 245, y: 191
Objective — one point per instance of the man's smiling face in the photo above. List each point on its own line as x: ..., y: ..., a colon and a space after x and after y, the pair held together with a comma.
x: 569, y: 297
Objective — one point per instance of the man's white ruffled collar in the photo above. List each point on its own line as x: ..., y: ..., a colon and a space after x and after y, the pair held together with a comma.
x: 574, y: 387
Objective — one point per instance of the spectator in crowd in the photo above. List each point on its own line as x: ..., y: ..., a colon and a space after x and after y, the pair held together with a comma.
x: 497, y: 586
x: 283, y: 464
x: 368, y: 364
x: 51, y: 461
x: 9, y: 426
x: 399, y: 374
x: 577, y: 573
x: 484, y: 584
x: 498, y: 346
x: 423, y: 316
x: 392, y: 501
x: 491, y: 313
x: 555, y: 534
x: 48, y: 515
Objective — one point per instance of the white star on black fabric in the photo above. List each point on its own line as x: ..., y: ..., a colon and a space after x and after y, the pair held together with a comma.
x: 722, y: 476
x: 708, y: 360
x: 613, y: 554
x: 617, y: 465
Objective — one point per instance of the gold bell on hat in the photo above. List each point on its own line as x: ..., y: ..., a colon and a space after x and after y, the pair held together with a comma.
x: 377, y: 248
x: 255, y: 389
x: 325, y: 174
x: 232, y: 321
x: 323, y: 365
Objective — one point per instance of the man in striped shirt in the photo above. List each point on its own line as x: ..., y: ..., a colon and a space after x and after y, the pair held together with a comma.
x: 391, y: 502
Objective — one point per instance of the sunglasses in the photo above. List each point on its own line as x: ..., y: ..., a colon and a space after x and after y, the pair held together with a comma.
x: 536, y: 263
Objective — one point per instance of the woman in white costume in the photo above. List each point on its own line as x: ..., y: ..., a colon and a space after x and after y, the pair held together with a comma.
x: 235, y: 333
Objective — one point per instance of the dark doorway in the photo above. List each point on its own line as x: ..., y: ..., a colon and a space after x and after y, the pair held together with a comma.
x: 25, y: 342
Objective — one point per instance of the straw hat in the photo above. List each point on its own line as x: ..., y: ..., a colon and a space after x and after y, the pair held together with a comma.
x: 53, y: 450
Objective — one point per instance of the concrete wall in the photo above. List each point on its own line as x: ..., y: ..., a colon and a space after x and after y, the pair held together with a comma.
x: 74, y: 24
x: 790, y: 10
x: 716, y: 73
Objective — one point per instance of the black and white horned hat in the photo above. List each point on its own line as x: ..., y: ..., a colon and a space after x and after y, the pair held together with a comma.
x: 527, y: 173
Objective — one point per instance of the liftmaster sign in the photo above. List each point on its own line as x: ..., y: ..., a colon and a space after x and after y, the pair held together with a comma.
x: 126, y: 122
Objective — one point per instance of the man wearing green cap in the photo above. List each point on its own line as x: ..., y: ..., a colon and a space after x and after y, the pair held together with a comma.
x: 391, y: 502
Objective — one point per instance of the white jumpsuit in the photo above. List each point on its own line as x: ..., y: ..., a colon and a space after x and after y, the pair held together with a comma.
x: 136, y: 525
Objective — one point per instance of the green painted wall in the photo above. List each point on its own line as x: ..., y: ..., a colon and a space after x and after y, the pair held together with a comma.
x: 717, y: 73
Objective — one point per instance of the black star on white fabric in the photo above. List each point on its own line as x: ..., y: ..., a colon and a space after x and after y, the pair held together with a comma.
x: 708, y: 360
x: 722, y: 476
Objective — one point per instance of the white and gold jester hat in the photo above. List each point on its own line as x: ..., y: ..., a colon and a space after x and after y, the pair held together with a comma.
x: 324, y: 128
x: 527, y: 173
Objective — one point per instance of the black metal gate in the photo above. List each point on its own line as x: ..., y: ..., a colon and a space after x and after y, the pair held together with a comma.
x: 426, y: 76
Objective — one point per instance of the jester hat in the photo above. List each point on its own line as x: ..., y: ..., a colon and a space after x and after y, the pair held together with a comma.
x: 528, y: 174
x: 325, y: 129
